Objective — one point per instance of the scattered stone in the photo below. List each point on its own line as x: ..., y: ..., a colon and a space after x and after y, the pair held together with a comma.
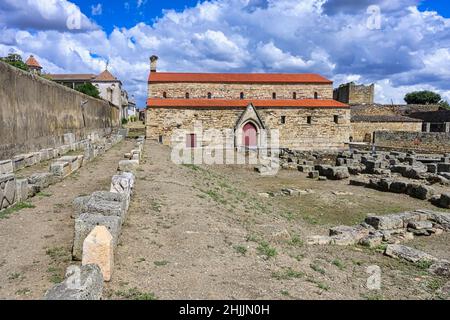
x: 420, y: 191
x: 264, y: 194
x: 322, y: 178
x: 385, y: 222
x: 444, y: 201
x: 342, y: 193
x: 319, y: 240
x: 420, y: 225
x: 313, y: 175
x: 80, y: 284
x: 98, y: 249
x: 398, y: 187
x: 407, y: 253
x: 440, y: 268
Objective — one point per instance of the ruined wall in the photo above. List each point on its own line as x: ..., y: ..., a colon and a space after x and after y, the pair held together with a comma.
x: 435, y: 142
x: 35, y: 113
x: 233, y: 90
x: 354, y: 94
x: 363, y: 131
x: 296, y: 133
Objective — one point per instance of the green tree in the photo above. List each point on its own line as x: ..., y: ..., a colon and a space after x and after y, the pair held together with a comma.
x: 422, y: 97
x: 15, y: 60
x: 89, y: 89
x: 444, y: 105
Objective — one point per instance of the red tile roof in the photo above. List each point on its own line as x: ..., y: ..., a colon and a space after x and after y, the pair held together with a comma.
x: 164, y: 77
x: 32, y: 62
x: 222, y: 103
x: 82, y: 77
x: 105, y: 76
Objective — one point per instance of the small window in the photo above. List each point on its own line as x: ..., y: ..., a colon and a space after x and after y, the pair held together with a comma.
x: 336, y: 119
x: 209, y: 95
x: 283, y: 119
x: 187, y: 95
x: 164, y: 95
x: 294, y: 95
x: 242, y: 95
x: 274, y: 95
x: 316, y: 95
x: 309, y: 119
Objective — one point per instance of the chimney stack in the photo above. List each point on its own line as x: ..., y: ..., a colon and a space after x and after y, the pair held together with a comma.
x: 153, y: 63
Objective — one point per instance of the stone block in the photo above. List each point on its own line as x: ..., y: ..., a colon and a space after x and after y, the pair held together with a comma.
x: 18, y: 162
x: 61, y: 169
x: 372, y: 240
x: 21, y: 190
x: 420, y: 225
x: 85, y: 283
x: 398, y: 187
x: 98, y: 249
x: 313, y: 175
x: 6, y: 167
x: 440, y: 268
x: 420, y: 191
x: 444, y: 201
x: 75, y: 161
x: 356, y: 233
x: 79, y: 205
x: 7, y: 190
x: 385, y: 185
x: 432, y: 167
x: 305, y: 168
x: 385, y: 222
x: 128, y: 165
x: 407, y: 253
x: 318, y: 240
x: 42, y: 180
x: 358, y: 182
x: 86, y: 222
x: 338, y: 173
x: 443, y: 167
x: 441, y: 218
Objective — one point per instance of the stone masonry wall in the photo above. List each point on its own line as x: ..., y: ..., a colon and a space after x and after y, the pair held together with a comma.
x: 362, y: 130
x: 355, y: 94
x: 233, y: 90
x: 296, y: 133
x: 434, y: 142
x: 36, y: 113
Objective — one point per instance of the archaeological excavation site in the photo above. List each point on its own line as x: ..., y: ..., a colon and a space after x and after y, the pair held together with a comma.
x: 286, y: 199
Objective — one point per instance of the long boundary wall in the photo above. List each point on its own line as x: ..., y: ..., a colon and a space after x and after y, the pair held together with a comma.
x: 430, y: 142
x: 35, y: 113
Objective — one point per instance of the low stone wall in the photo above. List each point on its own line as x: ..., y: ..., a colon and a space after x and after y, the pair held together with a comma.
x: 14, y: 190
x: 98, y: 222
x: 364, y: 131
x: 430, y: 142
x: 35, y: 113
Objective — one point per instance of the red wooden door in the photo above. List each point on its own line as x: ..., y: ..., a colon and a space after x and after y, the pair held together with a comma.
x: 191, y: 141
x: 249, y: 136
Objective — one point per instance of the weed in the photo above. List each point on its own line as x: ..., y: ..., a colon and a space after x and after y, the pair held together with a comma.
x: 135, y: 294
x: 15, y: 208
x: 338, y: 263
x: 317, y: 268
x: 265, y: 249
x: 240, y: 249
x: 161, y: 263
x: 287, y: 274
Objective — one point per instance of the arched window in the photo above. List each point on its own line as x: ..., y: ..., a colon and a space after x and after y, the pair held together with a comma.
x: 187, y: 95
x: 274, y: 95
x: 164, y: 95
x: 294, y: 95
x: 242, y: 96
x: 316, y: 95
x: 209, y: 95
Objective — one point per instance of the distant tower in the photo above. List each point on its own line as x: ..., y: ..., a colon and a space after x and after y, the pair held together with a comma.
x: 33, y: 65
x: 153, y: 63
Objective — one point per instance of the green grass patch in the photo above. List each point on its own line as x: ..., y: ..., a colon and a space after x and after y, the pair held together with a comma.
x: 43, y: 194
x: 15, y: 208
x: 296, y: 241
x: 424, y: 264
x: 161, y: 263
x: 338, y: 263
x: 135, y: 294
x: 265, y: 249
x: 317, y: 268
x: 240, y: 249
x: 287, y: 274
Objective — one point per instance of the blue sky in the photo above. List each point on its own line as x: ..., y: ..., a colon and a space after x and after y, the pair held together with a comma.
x: 407, y: 49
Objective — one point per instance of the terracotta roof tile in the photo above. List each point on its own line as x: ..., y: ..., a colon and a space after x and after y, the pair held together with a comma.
x: 212, y: 103
x: 164, y: 77
x: 105, y: 76
x: 83, y: 77
x: 32, y: 62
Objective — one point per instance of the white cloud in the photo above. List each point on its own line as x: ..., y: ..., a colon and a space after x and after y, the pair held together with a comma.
x: 408, y: 53
x: 97, y: 9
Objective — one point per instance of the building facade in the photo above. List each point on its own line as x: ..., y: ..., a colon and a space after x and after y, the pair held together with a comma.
x: 299, y: 106
x: 354, y: 94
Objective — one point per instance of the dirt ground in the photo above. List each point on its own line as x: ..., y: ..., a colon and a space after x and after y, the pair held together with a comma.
x: 197, y: 232
x: 36, y: 243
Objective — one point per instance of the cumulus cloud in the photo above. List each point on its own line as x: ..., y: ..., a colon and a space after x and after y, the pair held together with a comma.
x: 60, y: 15
x: 97, y: 9
x: 254, y: 36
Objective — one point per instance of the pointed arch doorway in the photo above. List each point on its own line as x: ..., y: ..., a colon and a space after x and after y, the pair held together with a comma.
x: 250, y: 136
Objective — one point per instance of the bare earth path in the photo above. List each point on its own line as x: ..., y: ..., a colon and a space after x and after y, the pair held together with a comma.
x: 196, y: 232
x: 35, y: 243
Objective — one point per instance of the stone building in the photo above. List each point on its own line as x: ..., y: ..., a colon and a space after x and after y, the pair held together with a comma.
x: 367, y: 119
x: 300, y: 106
x: 33, y: 65
x: 352, y: 93
x: 109, y: 86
